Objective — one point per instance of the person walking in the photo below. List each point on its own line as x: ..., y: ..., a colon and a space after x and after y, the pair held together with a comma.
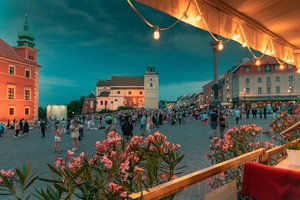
x: 25, y: 128
x: 75, y: 127
x: 213, y: 121
x: 260, y: 112
x: 237, y: 115
x: 57, y: 138
x: 222, y: 123
x: 143, y: 122
x: 149, y: 123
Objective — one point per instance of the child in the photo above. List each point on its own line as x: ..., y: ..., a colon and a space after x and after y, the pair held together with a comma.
x: 57, y: 138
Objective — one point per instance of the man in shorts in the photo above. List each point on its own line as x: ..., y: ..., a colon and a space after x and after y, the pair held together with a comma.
x: 213, y: 121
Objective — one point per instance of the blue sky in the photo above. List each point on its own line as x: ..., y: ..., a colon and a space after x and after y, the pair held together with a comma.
x: 81, y: 41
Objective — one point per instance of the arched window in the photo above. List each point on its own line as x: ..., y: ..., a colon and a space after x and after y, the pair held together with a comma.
x: 101, y: 102
x: 268, y: 79
x: 151, y: 84
x: 259, y: 79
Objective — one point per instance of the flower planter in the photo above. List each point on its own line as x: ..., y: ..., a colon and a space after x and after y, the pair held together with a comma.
x: 293, y: 156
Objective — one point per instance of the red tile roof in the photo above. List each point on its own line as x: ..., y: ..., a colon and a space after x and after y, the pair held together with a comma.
x: 127, y: 81
x: 9, y: 52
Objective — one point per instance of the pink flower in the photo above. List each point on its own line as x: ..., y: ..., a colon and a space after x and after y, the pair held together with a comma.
x: 107, y: 162
x: 124, y: 166
x: 58, y: 162
x: 123, y: 194
x: 70, y: 153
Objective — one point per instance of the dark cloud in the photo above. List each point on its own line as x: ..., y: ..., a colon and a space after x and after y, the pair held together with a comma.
x: 80, y: 41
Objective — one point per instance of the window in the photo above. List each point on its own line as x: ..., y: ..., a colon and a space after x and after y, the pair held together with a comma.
x: 11, y: 111
x: 11, y: 93
x: 259, y: 90
x: 141, y: 92
x: 26, y: 111
x: 151, y: 84
x: 101, y: 102
x: 268, y: 90
x: 27, y: 74
x: 290, y: 66
x: 247, y: 90
x: 291, y: 78
x: 268, y: 79
x: 277, y: 79
x: 277, y: 89
x: 258, y: 69
x: 27, y: 94
x: 259, y: 79
x: 105, y: 103
x: 11, y: 70
x: 129, y: 92
x: 247, y: 80
x: 118, y: 92
x: 247, y: 69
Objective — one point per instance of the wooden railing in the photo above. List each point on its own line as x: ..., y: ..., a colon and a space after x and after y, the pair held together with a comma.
x: 179, y: 184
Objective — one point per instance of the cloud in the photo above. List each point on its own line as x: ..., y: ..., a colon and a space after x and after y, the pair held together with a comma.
x: 49, y: 81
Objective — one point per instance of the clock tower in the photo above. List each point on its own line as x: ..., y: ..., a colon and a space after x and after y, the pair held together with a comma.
x: 150, y: 87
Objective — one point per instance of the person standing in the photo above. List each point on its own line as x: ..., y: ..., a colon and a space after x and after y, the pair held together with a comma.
x: 237, y: 115
x: 149, y: 123
x: 43, y: 128
x: 223, y: 123
x: 260, y: 112
x: 17, y: 129
x: 75, y: 133
x: 57, y: 138
x: 213, y: 121
x: 63, y: 126
x: 25, y: 128
x: 274, y: 112
x: 143, y: 122
x: 127, y: 129
x: 1, y: 129
x: 109, y: 128
x: 265, y: 112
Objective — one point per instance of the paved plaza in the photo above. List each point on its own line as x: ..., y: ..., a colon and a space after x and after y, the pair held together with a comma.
x: 192, y: 136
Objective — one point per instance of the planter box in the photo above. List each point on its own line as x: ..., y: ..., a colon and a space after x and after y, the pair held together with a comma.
x: 293, y: 156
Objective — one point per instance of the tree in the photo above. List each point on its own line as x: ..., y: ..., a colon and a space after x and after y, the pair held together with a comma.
x: 42, y: 113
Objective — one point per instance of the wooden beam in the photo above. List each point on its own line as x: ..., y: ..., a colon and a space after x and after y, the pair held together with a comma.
x: 179, y: 184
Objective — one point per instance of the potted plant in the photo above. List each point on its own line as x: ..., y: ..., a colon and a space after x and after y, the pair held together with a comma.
x: 293, y: 152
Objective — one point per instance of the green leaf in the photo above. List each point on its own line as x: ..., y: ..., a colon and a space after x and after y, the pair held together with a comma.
x: 55, y: 170
x: 20, y: 176
x: 60, y: 188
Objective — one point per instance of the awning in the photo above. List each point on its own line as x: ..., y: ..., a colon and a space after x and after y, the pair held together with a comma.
x: 271, y: 27
x: 272, y: 98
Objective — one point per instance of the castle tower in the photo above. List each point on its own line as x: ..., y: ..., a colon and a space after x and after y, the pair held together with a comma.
x: 150, y: 87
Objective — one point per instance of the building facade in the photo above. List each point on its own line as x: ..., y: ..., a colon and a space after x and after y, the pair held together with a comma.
x: 268, y: 84
x: 19, y: 74
x: 134, y: 91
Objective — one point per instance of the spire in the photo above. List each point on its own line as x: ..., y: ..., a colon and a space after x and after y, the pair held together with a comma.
x: 26, y: 38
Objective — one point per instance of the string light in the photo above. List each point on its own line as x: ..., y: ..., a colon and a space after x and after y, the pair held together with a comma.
x: 220, y: 45
x: 198, y: 18
x: 257, y: 62
x: 156, y: 34
x: 236, y: 36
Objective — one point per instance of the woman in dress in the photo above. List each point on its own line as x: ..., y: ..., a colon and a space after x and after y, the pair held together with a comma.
x: 75, y: 133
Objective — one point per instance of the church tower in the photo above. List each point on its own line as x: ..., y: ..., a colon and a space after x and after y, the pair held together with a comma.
x: 150, y: 87
x: 26, y: 43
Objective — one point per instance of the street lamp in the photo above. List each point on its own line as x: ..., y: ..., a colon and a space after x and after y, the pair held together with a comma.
x: 290, y: 90
x: 244, y: 91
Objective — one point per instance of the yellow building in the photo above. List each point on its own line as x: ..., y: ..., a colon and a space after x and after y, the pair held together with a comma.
x: 134, y: 91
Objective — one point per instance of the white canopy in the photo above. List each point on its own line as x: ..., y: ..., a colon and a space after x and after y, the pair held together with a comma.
x: 269, y: 26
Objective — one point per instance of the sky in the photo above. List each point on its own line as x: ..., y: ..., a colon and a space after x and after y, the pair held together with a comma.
x: 85, y: 40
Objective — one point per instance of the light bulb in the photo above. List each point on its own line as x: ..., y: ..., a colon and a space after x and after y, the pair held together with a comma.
x: 198, y: 18
x: 257, y: 62
x: 220, y: 46
x: 245, y: 44
x: 298, y: 71
x: 272, y: 52
x: 186, y: 18
x: 156, y: 34
x: 236, y: 36
x: 281, y: 66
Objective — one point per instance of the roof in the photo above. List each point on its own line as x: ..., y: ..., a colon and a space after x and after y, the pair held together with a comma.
x: 127, y: 81
x: 264, y: 60
x: 262, y: 24
x: 91, y: 96
x: 7, y: 51
x: 104, y: 94
x: 103, y: 83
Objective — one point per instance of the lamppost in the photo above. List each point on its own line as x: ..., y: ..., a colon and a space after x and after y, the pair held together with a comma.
x: 290, y: 90
x: 216, y: 47
x: 244, y: 91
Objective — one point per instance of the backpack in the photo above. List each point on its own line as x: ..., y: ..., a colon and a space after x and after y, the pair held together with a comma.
x: 126, y: 128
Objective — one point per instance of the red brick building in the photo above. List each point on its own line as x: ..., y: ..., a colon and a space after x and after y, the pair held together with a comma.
x: 19, y: 74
